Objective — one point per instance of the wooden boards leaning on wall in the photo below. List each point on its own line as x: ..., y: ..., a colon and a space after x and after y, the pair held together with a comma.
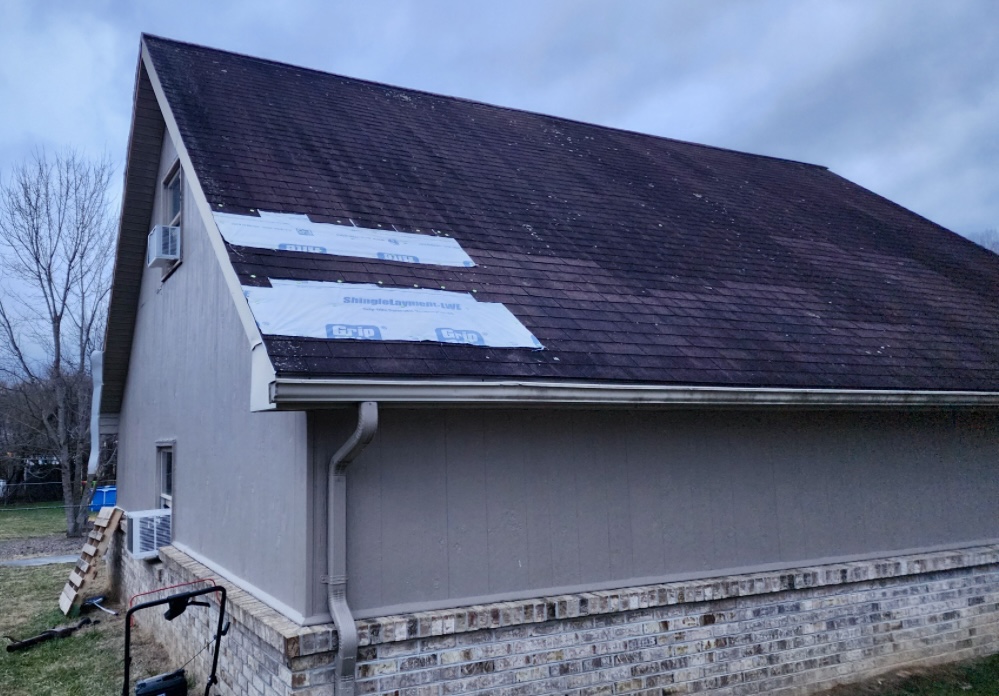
x: 94, y: 548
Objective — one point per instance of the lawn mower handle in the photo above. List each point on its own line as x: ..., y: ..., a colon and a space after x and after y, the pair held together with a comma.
x: 177, y: 604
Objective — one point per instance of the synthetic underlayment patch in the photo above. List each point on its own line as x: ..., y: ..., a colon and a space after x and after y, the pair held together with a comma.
x: 288, y: 232
x: 360, y: 311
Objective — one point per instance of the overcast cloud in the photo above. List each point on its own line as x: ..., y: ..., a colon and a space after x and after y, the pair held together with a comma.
x: 901, y: 96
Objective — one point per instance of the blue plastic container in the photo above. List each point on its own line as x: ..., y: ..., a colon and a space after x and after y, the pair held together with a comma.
x: 103, y: 496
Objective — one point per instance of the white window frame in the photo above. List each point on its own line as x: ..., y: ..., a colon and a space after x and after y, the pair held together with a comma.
x: 166, y: 474
x: 174, y: 176
x: 169, y: 216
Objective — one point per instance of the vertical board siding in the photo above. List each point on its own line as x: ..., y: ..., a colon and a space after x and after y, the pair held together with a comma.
x: 973, y: 487
x: 466, y: 493
x: 596, y: 557
x: 451, y: 507
x: 414, y: 555
x: 508, y: 496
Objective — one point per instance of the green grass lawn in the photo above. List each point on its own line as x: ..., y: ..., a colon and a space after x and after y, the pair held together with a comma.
x: 24, y: 521
x: 87, y: 663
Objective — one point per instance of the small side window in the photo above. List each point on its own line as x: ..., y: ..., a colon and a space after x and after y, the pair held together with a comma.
x: 173, y: 197
x: 164, y: 457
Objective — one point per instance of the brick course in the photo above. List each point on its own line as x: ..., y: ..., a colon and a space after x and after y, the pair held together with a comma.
x: 780, y: 632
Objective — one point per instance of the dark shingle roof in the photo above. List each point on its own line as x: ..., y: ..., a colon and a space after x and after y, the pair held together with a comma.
x: 632, y: 258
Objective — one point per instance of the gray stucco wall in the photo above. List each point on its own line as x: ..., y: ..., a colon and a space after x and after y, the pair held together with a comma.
x: 240, y: 477
x: 456, y: 507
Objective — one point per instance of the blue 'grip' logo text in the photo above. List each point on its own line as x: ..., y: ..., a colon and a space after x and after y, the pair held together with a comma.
x: 398, y: 257
x: 460, y: 336
x: 361, y: 332
x: 302, y: 247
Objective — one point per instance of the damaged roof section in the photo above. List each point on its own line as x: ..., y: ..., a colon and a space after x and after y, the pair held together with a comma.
x: 632, y: 258
x: 363, y: 311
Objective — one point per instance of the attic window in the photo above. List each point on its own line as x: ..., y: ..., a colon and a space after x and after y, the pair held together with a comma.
x: 172, y: 197
x: 163, y: 250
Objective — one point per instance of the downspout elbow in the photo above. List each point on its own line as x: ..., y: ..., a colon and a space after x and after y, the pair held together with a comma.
x: 346, y: 657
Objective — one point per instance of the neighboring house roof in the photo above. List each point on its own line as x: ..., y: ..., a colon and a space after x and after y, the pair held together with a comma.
x: 632, y: 258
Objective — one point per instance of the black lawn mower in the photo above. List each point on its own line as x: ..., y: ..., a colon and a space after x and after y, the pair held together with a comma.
x: 175, y: 683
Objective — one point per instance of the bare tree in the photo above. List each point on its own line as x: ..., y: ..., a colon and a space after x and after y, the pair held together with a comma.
x: 56, y: 234
x: 21, y: 441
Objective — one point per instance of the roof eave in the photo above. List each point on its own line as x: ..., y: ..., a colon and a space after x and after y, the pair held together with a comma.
x: 145, y: 141
x: 305, y: 393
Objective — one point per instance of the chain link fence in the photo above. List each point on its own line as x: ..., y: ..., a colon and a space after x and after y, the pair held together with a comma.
x: 34, y: 495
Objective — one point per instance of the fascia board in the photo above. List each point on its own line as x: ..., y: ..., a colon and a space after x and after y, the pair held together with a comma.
x: 262, y: 370
x: 297, y: 394
x: 129, y: 251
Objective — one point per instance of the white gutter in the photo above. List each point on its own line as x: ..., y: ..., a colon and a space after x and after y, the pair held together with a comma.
x: 346, y: 655
x: 298, y: 393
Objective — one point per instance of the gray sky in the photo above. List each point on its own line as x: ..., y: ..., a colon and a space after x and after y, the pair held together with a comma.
x: 901, y: 96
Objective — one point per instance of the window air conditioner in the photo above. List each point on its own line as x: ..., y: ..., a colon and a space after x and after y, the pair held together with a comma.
x: 163, y: 249
x: 148, y: 530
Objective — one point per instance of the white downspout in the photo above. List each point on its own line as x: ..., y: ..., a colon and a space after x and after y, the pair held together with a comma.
x: 97, y: 373
x: 336, y: 475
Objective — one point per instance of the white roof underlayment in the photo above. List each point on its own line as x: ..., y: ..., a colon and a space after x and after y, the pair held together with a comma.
x: 361, y: 311
x: 290, y: 232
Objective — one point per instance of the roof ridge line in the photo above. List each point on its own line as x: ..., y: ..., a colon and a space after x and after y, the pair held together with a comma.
x: 476, y: 102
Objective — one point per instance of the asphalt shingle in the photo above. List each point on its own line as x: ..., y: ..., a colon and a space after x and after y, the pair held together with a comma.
x: 633, y: 258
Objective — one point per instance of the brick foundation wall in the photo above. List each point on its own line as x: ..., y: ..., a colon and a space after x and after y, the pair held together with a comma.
x: 780, y: 632
x: 263, y: 652
x: 775, y: 633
